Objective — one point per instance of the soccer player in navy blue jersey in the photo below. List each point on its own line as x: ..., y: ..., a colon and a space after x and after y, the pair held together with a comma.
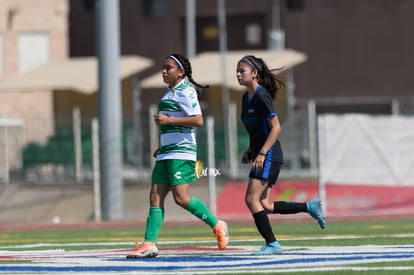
x: 265, y: 152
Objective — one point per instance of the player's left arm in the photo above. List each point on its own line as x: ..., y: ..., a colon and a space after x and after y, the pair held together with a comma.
x: 187, y: 121
x: 273, y: 122
x: 190, y: 105
x: 275, y: 129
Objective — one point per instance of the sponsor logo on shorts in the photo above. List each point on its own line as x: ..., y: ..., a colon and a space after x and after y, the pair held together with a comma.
x: 178, y: 175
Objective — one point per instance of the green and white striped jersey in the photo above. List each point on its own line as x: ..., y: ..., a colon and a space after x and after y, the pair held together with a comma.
x: 178, y: 142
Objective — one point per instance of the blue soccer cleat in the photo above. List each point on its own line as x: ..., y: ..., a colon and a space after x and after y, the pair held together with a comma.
x: 270, y: 249
x: 315, y: 210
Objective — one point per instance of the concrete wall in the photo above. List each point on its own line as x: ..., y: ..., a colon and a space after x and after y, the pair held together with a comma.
x: 31, y: 16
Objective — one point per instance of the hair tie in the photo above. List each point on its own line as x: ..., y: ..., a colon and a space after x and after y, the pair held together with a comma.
x: 177, y: 61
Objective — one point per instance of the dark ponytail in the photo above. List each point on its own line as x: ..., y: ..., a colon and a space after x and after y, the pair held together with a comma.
x: 269, y: 80
x: 185, y: 64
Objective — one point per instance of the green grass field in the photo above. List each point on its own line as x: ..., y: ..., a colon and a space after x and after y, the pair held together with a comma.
x: 296, y: 234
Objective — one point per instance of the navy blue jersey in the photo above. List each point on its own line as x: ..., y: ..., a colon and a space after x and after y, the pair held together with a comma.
x: 255, y: 114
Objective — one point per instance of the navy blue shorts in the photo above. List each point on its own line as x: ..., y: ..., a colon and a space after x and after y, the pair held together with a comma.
x: 270, y: 172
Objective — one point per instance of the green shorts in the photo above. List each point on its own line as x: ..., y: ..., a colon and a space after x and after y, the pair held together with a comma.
x: 173, y: 172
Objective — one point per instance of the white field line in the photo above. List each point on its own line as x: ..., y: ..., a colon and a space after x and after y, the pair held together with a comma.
x: 273, y: 271
x: 296, y: 259
x: 178, y: 242
x: 279, y: 270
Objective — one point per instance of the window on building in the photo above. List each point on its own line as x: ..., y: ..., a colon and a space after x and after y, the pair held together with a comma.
x: 33, y: 50
x: 253, y: 34
x: 155, y: 7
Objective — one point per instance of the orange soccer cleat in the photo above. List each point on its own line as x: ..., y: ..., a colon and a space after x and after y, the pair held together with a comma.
x: 222, y: 234
x: 146, y: 250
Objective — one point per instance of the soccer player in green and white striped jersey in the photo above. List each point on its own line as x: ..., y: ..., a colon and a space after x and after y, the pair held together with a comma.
x: 178, y: 141
x: 178, y: 113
